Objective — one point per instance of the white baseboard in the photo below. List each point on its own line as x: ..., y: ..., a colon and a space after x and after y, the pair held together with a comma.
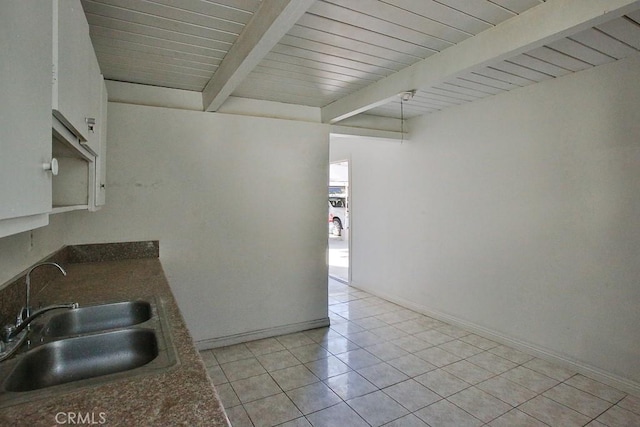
x: 592, y: 372
x: 260, y: 334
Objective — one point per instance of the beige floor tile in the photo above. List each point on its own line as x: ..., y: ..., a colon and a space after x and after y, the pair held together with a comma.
x: 238, y: 417
x: 357, y: 313
x: 411, y: 343
x: 319, y: 335
x: 411, y: 365
x: 208, y: 358
x: 413, y: 326
x: 232, y: 353
x: 507, y: 391
x: 468, y: 372
x: 492, y: 363
x: 386, y: 351
x: 578, y: 400
x: 340, y: 345
x: 454, y: 331
x: 347, y: 328
x: 442, y: 382
x: 446, y: 414
x: 278, y: 360
x: 530, y: 379
x: 329, y: 367
x: 337, y: 415
x: 227, y: 396
x: 317, y: 369
x: 631, y: 403
x: 619, y: 417
x: 479, y: 341
x: 241, y: 369
x: 272, y: 410
x: 460, y: 348
x: 397, y: 315
x: 596, y: 388
x: 294, y: 377
x: 298, y: 422
x: 350, y: 385
x: 553, y: 413
x: 364, y: 338
x: 358, y: 359
x: 407, y: 421
x: 479, y: 404
x: 309, y: 353
x: 516, y: 418
x: 550, y: 369
x: 511, y: 354
x: 382, y: 375
x: 411, y: 394
x: 264, y: 346
x: 437, y: 356
x: 255, y: 388
x: 388, y: 332
x: 370, y: 322
x: 297, y: 339
x: 377, y: 408
x: 313, y: 397
x: 217, y: 375
x: 434, y: 337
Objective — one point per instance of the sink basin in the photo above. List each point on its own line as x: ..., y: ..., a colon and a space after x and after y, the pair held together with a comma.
x: 83, y: 357
x: 96, y: 318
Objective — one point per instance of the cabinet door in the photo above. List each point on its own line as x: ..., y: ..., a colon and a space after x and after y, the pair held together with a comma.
x: 97, y: 195
x: 73, y: 59
x: 101, y: 160
x: 94, y: 96
x: 25, y: 115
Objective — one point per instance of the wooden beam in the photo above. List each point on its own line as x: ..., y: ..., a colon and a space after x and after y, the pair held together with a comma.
x: 542, y: 24
x: 270, y: 22
x: 357, y: 132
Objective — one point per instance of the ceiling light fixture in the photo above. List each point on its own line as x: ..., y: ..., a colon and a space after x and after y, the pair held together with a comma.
x: 407, y: 95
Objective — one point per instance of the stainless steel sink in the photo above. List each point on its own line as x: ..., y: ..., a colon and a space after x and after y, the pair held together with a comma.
x: 96, y: 318
x: 83, y: 357
x: 88, y: 346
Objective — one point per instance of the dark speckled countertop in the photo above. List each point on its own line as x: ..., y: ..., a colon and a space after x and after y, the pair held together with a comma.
x: 181, y: 395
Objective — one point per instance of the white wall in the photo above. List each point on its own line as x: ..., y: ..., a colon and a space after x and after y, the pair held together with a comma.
x: 239, y: 207
x: 20, y: 251
x: 518, y: 215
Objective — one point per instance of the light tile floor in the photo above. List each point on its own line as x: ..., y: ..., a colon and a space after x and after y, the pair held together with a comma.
x: 381, y: 364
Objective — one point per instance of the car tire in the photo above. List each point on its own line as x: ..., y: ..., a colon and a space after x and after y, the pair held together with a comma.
x: 337, y: 227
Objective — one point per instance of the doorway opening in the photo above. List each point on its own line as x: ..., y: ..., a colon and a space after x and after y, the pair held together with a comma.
x: 338, y: 221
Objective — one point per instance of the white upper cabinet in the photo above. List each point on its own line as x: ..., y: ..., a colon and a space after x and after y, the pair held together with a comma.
x: 79, y: 111
x: 48, y: 65
x: 74, y: 70
x: 25, y: 115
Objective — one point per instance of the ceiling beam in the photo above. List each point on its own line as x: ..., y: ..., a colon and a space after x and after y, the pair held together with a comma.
x: 272, y: 20
x: 547, y: 22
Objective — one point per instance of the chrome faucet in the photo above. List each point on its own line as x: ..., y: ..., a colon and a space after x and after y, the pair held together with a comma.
x: 12, y: 336
x: 26, y: 311
x: 10, y: 331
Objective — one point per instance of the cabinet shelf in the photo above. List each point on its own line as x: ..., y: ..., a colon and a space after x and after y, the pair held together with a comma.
x: 68, y: 208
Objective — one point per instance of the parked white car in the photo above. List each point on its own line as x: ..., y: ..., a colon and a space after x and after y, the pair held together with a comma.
x: 338, y: 214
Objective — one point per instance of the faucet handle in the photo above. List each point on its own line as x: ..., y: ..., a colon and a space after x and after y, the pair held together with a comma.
x: 22, y: 315
x: 7, y: 331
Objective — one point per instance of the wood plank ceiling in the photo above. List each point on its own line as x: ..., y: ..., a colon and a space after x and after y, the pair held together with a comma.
x: 340, y: 48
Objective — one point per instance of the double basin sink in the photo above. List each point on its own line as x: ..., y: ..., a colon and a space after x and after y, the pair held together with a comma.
x: 88, y: 346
